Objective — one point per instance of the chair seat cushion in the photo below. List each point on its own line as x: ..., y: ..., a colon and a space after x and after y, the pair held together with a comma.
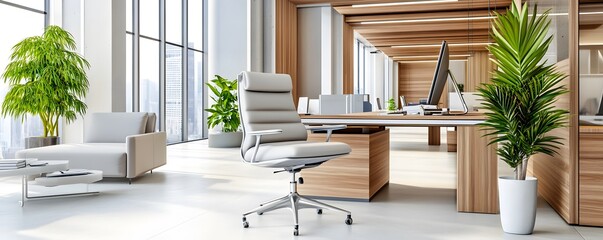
x: 295, y: 153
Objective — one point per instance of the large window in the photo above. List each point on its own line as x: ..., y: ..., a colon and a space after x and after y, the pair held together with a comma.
x: 165, y: 64
x: 31, y: 18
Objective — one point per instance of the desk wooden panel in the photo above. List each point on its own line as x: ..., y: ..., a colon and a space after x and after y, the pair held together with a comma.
x: 477, y: 166
x: 591, y: 176
x: 477, y: 172
x: 358, y: 175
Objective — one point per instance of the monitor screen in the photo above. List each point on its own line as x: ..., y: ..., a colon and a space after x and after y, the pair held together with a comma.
x: 439, y: 77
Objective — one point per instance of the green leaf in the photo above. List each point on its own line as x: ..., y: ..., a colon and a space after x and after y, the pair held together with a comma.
x: 47, y: 78
x: 225, y: 111
x: 521, y: 96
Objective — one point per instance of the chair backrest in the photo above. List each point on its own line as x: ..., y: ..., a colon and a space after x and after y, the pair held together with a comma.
x: 265, y: 102
x: 114, y: 127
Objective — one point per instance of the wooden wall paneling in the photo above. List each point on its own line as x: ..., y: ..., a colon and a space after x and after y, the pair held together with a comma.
x: 557, y: 175
x: 348, y: 58
x: 477, y: 171
x: 414, y: 81
x: 286, y: 41
x: 591, y: 179
x: 479, y: 69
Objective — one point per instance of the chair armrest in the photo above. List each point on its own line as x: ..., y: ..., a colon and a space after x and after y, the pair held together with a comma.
x: 265, y: 132
x: 328, y: 128
x: 144, y: 152
x: 258, y: 137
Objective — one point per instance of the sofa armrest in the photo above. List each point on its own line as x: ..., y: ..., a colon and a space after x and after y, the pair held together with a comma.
x: 145, y: 152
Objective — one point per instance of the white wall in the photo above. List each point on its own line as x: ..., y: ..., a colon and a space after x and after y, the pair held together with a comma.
x: 227, y: 38
x: 320, y: 51
x: 98, y: 28
x: 309, y: 59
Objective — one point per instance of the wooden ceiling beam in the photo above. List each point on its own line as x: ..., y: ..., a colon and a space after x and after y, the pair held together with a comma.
x: 424, y: 27
x: 427, y: 34
x: 416, y: 8
x: 418, y: 16
x: 340, y: 2
x: 426, y: 40
x: 430, y: 51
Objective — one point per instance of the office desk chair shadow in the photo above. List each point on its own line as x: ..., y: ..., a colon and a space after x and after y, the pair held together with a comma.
x: 274, y: 137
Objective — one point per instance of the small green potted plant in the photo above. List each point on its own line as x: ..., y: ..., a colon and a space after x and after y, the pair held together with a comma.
x: 46, y: 78
x: 520, y: 112
x: 224, y: 114
x: 391, y: 105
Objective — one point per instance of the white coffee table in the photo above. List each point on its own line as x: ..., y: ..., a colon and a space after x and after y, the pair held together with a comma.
x: 52, y: 166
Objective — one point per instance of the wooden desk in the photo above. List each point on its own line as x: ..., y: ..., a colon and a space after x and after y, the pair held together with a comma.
x: 477, y: 170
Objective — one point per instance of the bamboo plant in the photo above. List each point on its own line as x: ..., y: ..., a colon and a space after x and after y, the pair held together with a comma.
x: 46, y: 78
x: 523, y: 90
x: 224, y: 111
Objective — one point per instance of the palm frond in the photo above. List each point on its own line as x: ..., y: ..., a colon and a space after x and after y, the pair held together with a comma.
x: 524, y: 88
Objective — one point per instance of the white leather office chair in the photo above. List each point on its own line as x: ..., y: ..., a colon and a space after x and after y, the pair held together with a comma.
x: 274, y: 137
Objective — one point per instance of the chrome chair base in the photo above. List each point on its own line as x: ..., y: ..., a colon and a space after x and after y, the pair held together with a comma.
x: 295, y: 202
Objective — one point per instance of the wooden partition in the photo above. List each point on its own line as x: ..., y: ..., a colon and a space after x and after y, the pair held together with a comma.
x: 286, y: 41
x: 558, y: 175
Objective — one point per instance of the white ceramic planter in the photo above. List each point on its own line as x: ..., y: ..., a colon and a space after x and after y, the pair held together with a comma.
x: 225, y: 140
x: 517, y: 204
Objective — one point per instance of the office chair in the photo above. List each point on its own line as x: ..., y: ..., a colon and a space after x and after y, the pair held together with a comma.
x: 274, y: 137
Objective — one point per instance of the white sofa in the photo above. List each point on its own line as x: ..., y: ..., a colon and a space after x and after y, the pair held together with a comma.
x: 119, y: 144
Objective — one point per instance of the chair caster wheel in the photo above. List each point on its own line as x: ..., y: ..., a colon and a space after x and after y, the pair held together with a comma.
x: 300, y: 180
x: 349, y: 220
x: 245, y: 223
x: 260, y: 213
x: 319, y: 211
x: 296, y: 231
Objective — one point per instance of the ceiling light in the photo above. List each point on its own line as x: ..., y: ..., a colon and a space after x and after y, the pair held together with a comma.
x: 438, y: 45
x: 430, y: 20
x: 401, y: 3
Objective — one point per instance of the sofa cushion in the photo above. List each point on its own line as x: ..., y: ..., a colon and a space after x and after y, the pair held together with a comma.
x: 113, y: 127
x: 107, y: 157
x: 151, y: 121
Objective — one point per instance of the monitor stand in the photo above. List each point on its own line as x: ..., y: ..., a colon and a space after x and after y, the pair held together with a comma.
x: 458, y: 92
x: 424, y: 109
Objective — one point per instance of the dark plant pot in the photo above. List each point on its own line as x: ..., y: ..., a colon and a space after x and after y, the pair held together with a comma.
x: 225, y: 140
x: 36, y: 142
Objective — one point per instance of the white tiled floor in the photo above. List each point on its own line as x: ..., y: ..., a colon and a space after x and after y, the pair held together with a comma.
x: 202, y: 192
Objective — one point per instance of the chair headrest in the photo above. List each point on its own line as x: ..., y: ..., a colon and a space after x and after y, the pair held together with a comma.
x: 265, y: 82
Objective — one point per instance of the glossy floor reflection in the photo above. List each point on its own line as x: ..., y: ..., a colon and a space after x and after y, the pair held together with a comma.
x: 202, y: 192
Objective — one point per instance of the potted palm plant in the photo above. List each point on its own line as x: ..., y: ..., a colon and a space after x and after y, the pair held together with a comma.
x: 519, y: 101
x: 224, y: 114
x: 46, y: 78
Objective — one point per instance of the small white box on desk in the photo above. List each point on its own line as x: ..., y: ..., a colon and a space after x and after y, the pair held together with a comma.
x: 418, y: 109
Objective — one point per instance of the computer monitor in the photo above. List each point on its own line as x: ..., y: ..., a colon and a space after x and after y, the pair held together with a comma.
x: 440, y: 76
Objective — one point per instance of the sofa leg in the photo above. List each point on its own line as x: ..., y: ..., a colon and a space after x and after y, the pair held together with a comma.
x: 129, y: 181
x: 151, y: 171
